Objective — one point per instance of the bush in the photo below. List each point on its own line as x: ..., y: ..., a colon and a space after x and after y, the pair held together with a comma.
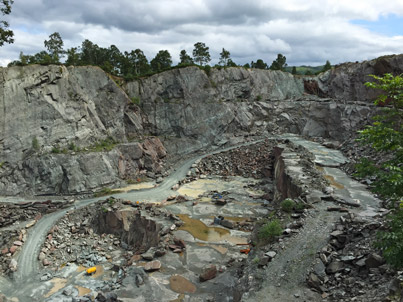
x: 391, y: 241
x: 385, y: 136
x: 207, y: 69
x: 270, y: 230
x: 287, y: 205
x: 35, y: 144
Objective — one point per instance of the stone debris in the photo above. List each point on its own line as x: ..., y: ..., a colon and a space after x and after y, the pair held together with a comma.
x: 353, y: 269
x: 208, y: 273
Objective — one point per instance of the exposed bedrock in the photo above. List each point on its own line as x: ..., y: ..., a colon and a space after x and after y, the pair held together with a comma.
x: 48, y: 108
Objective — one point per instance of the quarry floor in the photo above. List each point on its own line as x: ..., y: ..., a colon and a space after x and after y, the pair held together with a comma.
x: 281, y: 279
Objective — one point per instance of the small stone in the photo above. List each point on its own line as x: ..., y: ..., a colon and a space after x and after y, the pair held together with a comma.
x: 4, y: 251
x: 374, y: 261
x: 152, y: 266
x: 13, y: 249
x: 334, y: 267
x: 228, y: 224
x: 208, y: 273
x: 180, y: 243
x: 13, y: 265
x: 271, y: 254
x: 17, y: 243
x: 45, y: 262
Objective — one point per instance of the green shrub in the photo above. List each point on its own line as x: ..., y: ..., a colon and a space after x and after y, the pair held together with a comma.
x: 1, y: 164
x: 207, y: 70
x: 104, y: 145
x: 391, y: 241
x: 270, y: 230
x: 287, y: 205
x: 35, y: 144
x: 106, y: 191
x: 135, y: 100
x: 56, y: 150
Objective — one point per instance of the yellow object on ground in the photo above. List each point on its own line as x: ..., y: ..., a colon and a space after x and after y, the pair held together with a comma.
x: 91, y: 270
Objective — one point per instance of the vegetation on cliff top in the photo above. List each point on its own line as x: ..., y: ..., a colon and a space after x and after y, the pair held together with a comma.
x: 133, y: 64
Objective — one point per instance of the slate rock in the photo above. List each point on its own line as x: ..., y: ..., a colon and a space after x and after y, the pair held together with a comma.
x: 208, y: 273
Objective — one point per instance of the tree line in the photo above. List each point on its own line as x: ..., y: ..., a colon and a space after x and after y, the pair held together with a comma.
x: 134, y: 63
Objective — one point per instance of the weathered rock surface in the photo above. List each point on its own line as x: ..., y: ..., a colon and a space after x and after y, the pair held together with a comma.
x: 43, y: 108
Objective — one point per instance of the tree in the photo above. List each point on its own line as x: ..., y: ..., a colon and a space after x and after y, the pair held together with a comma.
x: 162, y: 60
x: 184, y: 58
x: 224, y: 57
x: 201, y: 53
x: 73, y: 56
x: 6, y: 35
x: 327, y: 66
x: 259, y: 64
x: 279, y: 63
x: 55, y: 47
x: 136, y: 63
x: 294, y: 70
x: 385, y: 136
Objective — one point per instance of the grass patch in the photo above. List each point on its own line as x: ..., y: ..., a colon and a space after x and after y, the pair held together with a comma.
x: 106, y: 191
x: 35, y: 144
x: 135, y: 100
x: 287, y: 205
x: 104, y: 145
x: 270, y: 230
x: 2, y: 164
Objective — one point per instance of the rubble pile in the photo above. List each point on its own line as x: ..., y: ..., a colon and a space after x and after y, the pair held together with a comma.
x: 249, y: 161
x: 349, y: 268
x: 111, y: 230
x: 11, y: 242
x: 11, y: 213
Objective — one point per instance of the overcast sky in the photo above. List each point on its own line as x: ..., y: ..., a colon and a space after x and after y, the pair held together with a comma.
x: 305, y: 31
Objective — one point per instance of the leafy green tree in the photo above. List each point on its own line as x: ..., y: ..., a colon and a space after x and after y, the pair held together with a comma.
x: 201, y: 53
x: 136, y: 64
x: 260, y: 64
x: 6, y: 35
x: 224, y: 57
x: 294, y: 70
x: 55, y: 47
x: 41, y: 58
x: 184, y: 58
x: 279, y: 63
x: 327, y: 66
x: 231, y: 63
x: 385, y: 136
x: 162, y: 61
x: 73, y: 56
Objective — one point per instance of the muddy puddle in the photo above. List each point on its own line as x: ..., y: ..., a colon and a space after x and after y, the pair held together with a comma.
x: 58, y: 284
x: 139, y: 186
x: 181, y: 285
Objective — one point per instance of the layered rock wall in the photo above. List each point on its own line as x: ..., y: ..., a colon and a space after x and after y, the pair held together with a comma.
x: 43, y: 107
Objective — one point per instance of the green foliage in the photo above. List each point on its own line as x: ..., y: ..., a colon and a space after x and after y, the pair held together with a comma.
x: 135, y: 100
x: 104, y: 145
x: 385, y: 136
x: 270, y: 230
x: 391, y: 241
x: 201, y: 53
x: 1, y: 164
x: 287, y: 205
x: 224, y: 57
x: 106, y: 191
x: 55, y: 47
x: 259, y: 64
x: 327, y: 66
x: 185, y: 59
x: 162, y: 61
x: 6, y: 35
x: 207, y: 70
x: 294, y: 70
x: 35, y: 144
x: 279, y: 63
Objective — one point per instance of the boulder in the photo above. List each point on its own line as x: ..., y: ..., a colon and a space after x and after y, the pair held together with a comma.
x: 152, y: 266
x: 374, y: 261
x: 208, y: 273
x: 334, y: 267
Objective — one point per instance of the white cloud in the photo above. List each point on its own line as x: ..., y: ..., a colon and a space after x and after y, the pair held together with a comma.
x: 306, y: 31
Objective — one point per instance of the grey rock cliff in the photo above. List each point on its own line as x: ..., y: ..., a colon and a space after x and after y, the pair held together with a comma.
x: 42, y: 107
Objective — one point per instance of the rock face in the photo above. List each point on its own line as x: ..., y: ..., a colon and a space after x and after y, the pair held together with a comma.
x: 43, y: 108
x: 49, y: 108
